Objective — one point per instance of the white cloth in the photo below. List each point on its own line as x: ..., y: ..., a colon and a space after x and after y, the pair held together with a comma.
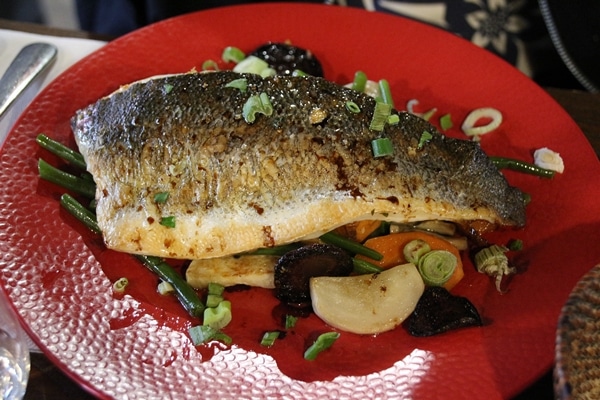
x: 70, y: 50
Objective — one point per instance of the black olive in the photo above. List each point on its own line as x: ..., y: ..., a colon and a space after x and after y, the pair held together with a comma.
x: 295, y: 268
x: 285, y: 59
x: 439, y: 311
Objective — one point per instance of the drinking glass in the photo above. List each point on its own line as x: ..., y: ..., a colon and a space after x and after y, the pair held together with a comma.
x: 14, y: 352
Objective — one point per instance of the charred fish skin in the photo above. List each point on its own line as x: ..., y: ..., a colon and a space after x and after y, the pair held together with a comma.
x: 303, y: 170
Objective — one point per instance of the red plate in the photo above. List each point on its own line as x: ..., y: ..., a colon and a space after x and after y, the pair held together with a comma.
x: 59, y: 276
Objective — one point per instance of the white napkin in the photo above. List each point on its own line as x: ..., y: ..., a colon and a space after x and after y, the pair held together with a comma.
x: 70, y: 50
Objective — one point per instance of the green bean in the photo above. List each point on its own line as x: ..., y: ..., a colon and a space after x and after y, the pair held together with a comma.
x: 68, y: 181
x: 521, y: 166
x: 77, y: 210
x: 186, y: 295
x: 363, y: 267
x: 350, y: 245
x: 60, y: 150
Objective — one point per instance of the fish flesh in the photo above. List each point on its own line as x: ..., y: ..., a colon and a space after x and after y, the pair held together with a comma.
x: 300, y: 166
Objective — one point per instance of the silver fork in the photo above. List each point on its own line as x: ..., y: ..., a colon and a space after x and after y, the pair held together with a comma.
x: 28, y: 64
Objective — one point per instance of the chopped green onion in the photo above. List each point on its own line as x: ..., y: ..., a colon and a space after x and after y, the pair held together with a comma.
x: 298, y: 72
x: 493, y: 262
x: 201, y: 334
x: 120, y: 285
x: 415, y: 249
x: 251, y: 65
x: 362, y: 267
x: 323, y: 342
x: 168, y: 87
x: 218, y: 317
x: 380, y: 116
x: 161, y: 197
x: 210, y: 65
x: 385, y: 92
x: 437, y: 266
x: 382, y: 147
x: 290, y: 321
x: 268, y: 72
x: 169, y: 221
x: 269, y: 338
x: 446, y: 122
x: 426, y: 136
x: 213, y: 300
x: 393, y: 119
x: 73, y: 157
x: 240, y: 83
x: 215, y: 288
x: 428, y: 114
x: 257, y: 104
x: 165, y: 288
x: 232, y: 54
x: 350, y: 245
x: 360, y: 81
x: 515, y: 245
x: 352, y: 107
x: 521, y: 166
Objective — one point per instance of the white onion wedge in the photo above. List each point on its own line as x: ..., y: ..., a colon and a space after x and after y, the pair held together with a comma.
x: 367, y: 304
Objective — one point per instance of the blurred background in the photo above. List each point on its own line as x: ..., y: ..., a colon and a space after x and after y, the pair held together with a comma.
x: 55, y: 13
x: 556, y: 43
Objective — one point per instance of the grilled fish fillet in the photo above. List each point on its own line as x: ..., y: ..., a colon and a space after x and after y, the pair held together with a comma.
x: 303, y: 170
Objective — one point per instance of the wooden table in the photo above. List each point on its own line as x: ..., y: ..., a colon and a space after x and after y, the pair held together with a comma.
x: 48, y: 382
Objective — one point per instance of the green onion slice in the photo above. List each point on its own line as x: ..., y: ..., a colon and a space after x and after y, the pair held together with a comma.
x: 437, y: 266
x: 393, y: 119
x: 380, y: 116
x: 415, y: 250
x: 161, y: 197
x: 323, y: 342
x: 382, y: 147
x: 218, y: 317
x: 232, y: 54
x: 120, y: 285
x: 251, y: 65
x: 210, y: 65
x: 426, y: 136
x: 165, y: 288
x: 290, y: 321
x: 169, y: 222
x: 360, y: 81
x: 269, y: 338
x: 257, y: 104
x: 386, y: 93
x: 446, y: 122
x: 240, y: 83
x: 201, y: 334
x: 352, y: 107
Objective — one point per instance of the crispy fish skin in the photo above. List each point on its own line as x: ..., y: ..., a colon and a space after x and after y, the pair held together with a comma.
x: 305, y: 169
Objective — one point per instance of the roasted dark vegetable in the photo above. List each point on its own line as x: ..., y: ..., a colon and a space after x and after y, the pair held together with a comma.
x: 439, y: 311
x: 285, y: 59
x: 294, y: 270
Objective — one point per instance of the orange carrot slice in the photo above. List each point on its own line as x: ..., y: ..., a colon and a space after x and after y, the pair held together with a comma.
x: 391, y: 247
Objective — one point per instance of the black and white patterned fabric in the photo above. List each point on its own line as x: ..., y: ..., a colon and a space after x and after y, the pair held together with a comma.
x: 511, y: 29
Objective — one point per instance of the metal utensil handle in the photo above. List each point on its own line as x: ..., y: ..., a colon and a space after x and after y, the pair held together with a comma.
x: 30, y: 61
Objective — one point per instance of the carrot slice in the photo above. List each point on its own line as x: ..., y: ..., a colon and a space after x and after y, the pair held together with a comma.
x: 391, y: 247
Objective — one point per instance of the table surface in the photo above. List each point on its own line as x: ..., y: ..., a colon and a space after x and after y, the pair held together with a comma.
x: 46, y: 381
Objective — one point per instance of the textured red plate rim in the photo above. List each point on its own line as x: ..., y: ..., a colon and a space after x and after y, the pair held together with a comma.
x: 57, y: 283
